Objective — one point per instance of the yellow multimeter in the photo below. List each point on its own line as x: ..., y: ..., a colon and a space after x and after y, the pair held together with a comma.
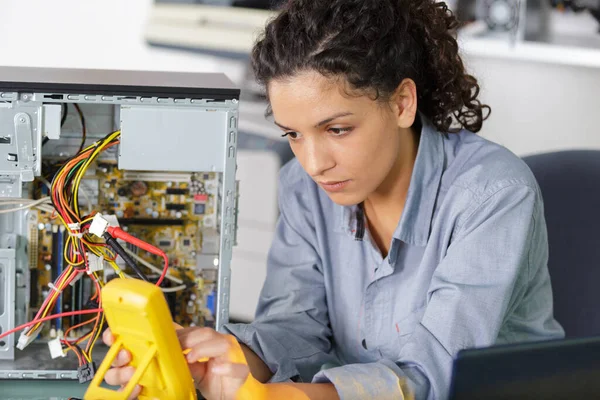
x: 141, y: 323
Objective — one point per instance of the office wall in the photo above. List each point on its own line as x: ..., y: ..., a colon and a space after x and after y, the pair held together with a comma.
x: 539, y: 106
x: 101, y: 34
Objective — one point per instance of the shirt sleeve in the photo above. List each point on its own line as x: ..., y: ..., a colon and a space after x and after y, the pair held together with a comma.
x: 291, y: 331
x: 499, y: 248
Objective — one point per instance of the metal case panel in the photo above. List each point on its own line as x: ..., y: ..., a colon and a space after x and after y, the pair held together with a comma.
x: 159, y: 139
x: 7, y: 301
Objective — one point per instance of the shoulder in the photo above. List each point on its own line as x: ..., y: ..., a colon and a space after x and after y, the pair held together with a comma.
x: 482, y: 167
x: 482, y: 179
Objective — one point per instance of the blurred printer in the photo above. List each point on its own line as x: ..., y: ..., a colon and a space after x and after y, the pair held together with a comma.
x: 223, y: 27
x: 519, y: 19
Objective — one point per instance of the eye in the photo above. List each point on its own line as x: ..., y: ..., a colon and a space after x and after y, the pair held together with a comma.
x: 339, y: 131
x: 292, y: 135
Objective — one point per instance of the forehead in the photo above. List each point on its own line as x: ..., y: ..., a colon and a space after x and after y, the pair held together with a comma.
x: 309, y: 95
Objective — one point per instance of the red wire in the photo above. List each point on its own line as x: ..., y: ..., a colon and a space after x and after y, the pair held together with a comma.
x: 96, y: 325
x: 62, y: 315
x: 119, y: 233
x: 57, y: 283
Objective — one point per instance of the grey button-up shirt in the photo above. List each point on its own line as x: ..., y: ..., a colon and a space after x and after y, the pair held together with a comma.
x: 467, y: 267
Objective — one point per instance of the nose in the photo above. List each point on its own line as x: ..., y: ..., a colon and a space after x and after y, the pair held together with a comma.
x: 317, y: 157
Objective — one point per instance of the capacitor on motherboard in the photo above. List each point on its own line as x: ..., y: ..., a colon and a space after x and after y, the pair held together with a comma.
x: 123, y: 191
x: 139, y: 188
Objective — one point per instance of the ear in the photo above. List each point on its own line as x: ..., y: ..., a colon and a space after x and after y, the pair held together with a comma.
x: 404, y: 103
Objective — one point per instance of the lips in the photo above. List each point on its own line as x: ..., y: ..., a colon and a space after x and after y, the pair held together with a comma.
x: 334, y: 186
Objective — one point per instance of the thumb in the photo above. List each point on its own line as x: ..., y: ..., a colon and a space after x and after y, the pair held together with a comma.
x: 177, y: 326
x: 198, y: 371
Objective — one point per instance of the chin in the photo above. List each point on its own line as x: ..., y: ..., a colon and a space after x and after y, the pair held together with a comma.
x: 346, y: 198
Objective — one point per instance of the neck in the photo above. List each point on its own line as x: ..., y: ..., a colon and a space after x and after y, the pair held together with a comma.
x: 390, y: 197
x: 384, y: 207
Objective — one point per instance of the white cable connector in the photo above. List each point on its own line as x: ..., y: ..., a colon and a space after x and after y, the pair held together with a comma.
x: 55, y: 348
x: 77, y: 277
x: 99, y: 225
x: 25, y: 340
x: 95, y: 263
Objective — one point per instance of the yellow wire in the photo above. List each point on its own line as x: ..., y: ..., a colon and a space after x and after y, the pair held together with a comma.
x: 53, y: 298
x: 98, y: 250
x: 69, y: 261
x: 81, y: 171
x: 96, y: 337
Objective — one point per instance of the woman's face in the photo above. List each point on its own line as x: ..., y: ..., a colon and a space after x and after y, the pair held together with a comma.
x: 349, y: 145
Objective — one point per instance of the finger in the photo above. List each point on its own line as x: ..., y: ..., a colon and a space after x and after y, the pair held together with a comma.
x: 134, y: 393
x: 217, y: 347
x: 119, y: 376
x: 189, y: 337
x: 123, y: 358
x: 232, y: 370
x: 107, y: 337
x: 204, y: 332
x: 177, y: 326
x: 198, y: 371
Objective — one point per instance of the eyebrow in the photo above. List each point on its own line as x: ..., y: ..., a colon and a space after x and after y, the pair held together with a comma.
x: 325, y: 121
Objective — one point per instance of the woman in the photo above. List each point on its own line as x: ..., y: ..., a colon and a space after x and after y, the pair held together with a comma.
x: 403, y: 236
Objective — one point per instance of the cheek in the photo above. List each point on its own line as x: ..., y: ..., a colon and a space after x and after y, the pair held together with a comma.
x: 369, y: 153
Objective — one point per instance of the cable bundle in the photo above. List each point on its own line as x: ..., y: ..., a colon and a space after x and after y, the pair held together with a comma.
x: 85, y: 234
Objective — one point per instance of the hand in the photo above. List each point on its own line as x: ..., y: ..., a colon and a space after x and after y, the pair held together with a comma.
x: 219, y: 378
x: 226, y: 369
x: 121, y: 373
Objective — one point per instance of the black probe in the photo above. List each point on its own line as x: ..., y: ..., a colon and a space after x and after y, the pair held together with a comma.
x: 112, y: 242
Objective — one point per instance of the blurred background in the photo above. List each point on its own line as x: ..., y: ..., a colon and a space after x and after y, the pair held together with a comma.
x: 538, y: 63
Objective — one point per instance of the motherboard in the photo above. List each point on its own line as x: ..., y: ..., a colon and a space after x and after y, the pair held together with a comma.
x: 175, y: 211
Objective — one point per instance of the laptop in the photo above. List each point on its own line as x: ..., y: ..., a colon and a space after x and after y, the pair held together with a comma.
x: 555, y: 369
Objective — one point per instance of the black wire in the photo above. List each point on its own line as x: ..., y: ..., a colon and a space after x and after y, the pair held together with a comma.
x: 112, y: 242
x: 83, y: 129
x: 65, y: 111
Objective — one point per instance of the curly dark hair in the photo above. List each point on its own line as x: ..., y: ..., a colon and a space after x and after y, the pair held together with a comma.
x: 374, y: 45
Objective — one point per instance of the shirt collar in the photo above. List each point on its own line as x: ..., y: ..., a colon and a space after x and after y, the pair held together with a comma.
x: 415, y: 224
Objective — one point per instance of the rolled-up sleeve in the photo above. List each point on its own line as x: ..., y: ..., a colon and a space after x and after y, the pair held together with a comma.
x: 499, y: 247
x: 291, y: 331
